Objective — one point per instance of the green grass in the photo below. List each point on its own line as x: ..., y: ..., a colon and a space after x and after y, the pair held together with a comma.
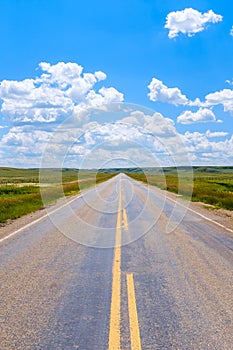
x: 18, y: 200
x: 214, y: 188
x: 212, y: 185
x: 14, y: 175
x: 215, y: 191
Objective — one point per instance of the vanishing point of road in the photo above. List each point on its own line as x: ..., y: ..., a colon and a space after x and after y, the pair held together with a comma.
x: 104, y: 272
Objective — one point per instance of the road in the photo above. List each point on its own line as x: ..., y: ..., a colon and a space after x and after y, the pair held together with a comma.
x: 107, y: 272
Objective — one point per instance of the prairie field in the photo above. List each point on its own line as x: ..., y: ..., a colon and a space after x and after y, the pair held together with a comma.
x: 21, y: 194
x: 23, y: 191
x: 212, y: 185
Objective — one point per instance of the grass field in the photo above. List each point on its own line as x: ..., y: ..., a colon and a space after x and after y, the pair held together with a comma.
x: 213, y: 185
x: 20, y: 193
x: 14, y: 175
x: 18, y: 198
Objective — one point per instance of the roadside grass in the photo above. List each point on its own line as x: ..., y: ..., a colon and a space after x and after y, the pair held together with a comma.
x: 20, y: 193
x: 14, y: 175
x: 16, y: 201
x: 217, y: 191
x: 20, y: 176
x: 208, y: 188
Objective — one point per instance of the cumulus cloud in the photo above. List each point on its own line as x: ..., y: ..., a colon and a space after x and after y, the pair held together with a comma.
x: 104, y: 96
x: 202, y: 115
x: 22, y: 136
x: 60, y: 73
x: 231, y: 31
x: 189, y: 21
x: 37, y: 107
x: 155, y: 124
x: 137, y: 127
x: 79, y: 138
x: 54, y: 94
x: 23, y: 145
x: 224, y: 97
x: 33, y: 103
x: 205, y: 151
x: 139, y: 130
x: 160, y: 92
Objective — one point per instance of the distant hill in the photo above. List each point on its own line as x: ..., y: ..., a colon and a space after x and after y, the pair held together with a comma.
x: 18, y: 174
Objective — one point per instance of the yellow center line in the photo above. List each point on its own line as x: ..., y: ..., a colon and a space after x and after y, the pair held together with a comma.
x: 115, y: 313
x: 133, y: 316
x: 126, y: 227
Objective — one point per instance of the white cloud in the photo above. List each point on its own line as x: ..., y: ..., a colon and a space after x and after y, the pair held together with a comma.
x: 137, y: 133
x: 24, y: 141
x: 79, y: 137
x: 230, y: 82
x: 61, y: 93
x: 126, y: 139
x: 116, y: 134
x: 154, y: 124
x: 130, y: 137
x: 224, y: 97
x: 204, y: 151
x: 54, y: 94
x: 61, y: 73
x: 189, y: 21
x: 12, y: 89
x: 231, y: 31
x: 132, y: 157
x: 21, y: 134
x: 160, y: 92
x: 104, y: 96
x: 43, y: 103
x: 210, y: 134
x: 201, y: 116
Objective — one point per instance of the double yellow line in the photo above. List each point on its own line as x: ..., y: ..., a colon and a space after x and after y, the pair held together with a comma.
x: 115, y: 313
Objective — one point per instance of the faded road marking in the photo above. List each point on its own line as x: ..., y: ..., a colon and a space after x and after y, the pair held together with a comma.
x: 125, y: 218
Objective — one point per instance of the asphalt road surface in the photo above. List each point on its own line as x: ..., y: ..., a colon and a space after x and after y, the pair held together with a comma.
x: 106, y: 271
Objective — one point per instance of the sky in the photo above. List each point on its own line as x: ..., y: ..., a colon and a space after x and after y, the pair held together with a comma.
x: 135, y: 81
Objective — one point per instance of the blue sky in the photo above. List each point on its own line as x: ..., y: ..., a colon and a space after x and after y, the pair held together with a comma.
x: 126, y: 40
